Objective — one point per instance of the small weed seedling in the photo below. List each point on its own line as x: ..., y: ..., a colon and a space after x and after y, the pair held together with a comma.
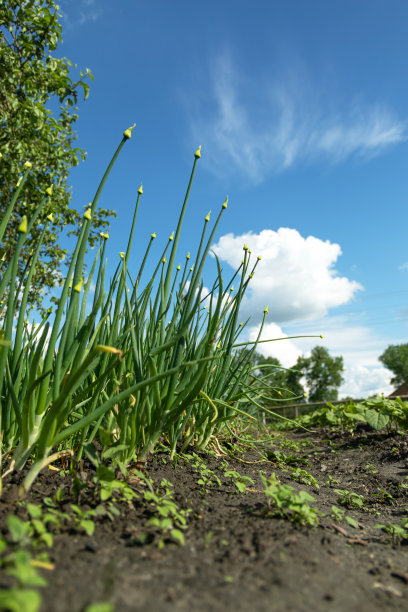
x: 370, y: 467
x: 17, y: 561
x: 284, y: 501
x: 338, y: 514
x: 208, y: 478
x: 167, y: 517
x: 349, y: 499
x: 397, y: 532
x: 304, y: 477
x: 331, y: 481
x: 240, y: 481
x: 283, y: 460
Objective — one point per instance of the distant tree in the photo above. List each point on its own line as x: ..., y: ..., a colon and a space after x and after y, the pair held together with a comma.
x: 37, y: 112
x: 323, y: 374
x: 395, y: 358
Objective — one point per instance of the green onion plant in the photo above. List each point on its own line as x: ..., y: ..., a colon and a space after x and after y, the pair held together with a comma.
x: 154, y: 359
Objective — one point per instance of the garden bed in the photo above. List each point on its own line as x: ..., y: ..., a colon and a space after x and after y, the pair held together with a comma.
x: 237, y: 553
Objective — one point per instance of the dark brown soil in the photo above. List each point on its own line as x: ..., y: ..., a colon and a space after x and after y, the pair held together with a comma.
x: 236, y: 555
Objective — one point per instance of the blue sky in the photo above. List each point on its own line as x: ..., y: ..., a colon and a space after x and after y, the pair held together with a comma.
x: 301, y: 111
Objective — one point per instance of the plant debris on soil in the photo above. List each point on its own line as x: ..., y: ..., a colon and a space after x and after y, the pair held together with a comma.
x: 237, y: 553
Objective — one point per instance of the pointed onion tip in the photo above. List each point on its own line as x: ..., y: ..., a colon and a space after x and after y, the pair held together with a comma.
x: 128, y: 133
x: 22, y: 228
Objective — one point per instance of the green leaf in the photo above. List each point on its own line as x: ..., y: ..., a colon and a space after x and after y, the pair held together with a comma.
x: 18, y: 530
x: 92, y: 454
x: 99, y: 607
x: 34, y: 511
x: 88, y: 526
x: 351, y: 522
x: 178, y: 535
x: 18, y: 600
x: 105, y: 474
x: 377, y: 420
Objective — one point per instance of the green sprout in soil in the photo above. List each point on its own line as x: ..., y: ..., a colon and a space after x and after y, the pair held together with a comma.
x: 349, y: 499
x: 304, y: 477
x: 239, y: 480
x: 397, y: 532
x: 285, y: 502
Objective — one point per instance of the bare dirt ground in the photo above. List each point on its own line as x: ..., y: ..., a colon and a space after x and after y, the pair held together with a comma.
x: 237, y: 555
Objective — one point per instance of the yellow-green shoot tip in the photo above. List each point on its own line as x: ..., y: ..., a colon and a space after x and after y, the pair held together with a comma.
x: 87, y: 214
x: 321, y: 335
x: 104, y: 236
x: 128, y: 133
x: 49, y: 190
x: 153, y: 236
x: 140, y: 190
x: 266, y: 310
x: 50, y: 217
x: 22, y: 228
x: 208, y: 217
x: 225, y: 204
x: 197, y: 154
x: 28, y: 164
x: 122, y: 255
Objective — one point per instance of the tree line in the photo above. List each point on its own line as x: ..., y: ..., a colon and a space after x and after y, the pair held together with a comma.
x: 317, y: 377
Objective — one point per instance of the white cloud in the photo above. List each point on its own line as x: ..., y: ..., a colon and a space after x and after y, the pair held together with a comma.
x: 403, y: 266
x: 283, y: 349
x: 286, y: 123
x: 295, y: 278
x: 362, y: 382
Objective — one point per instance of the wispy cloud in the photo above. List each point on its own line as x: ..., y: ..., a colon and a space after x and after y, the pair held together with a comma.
x: 80, y: 12
x: 285, y: 124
